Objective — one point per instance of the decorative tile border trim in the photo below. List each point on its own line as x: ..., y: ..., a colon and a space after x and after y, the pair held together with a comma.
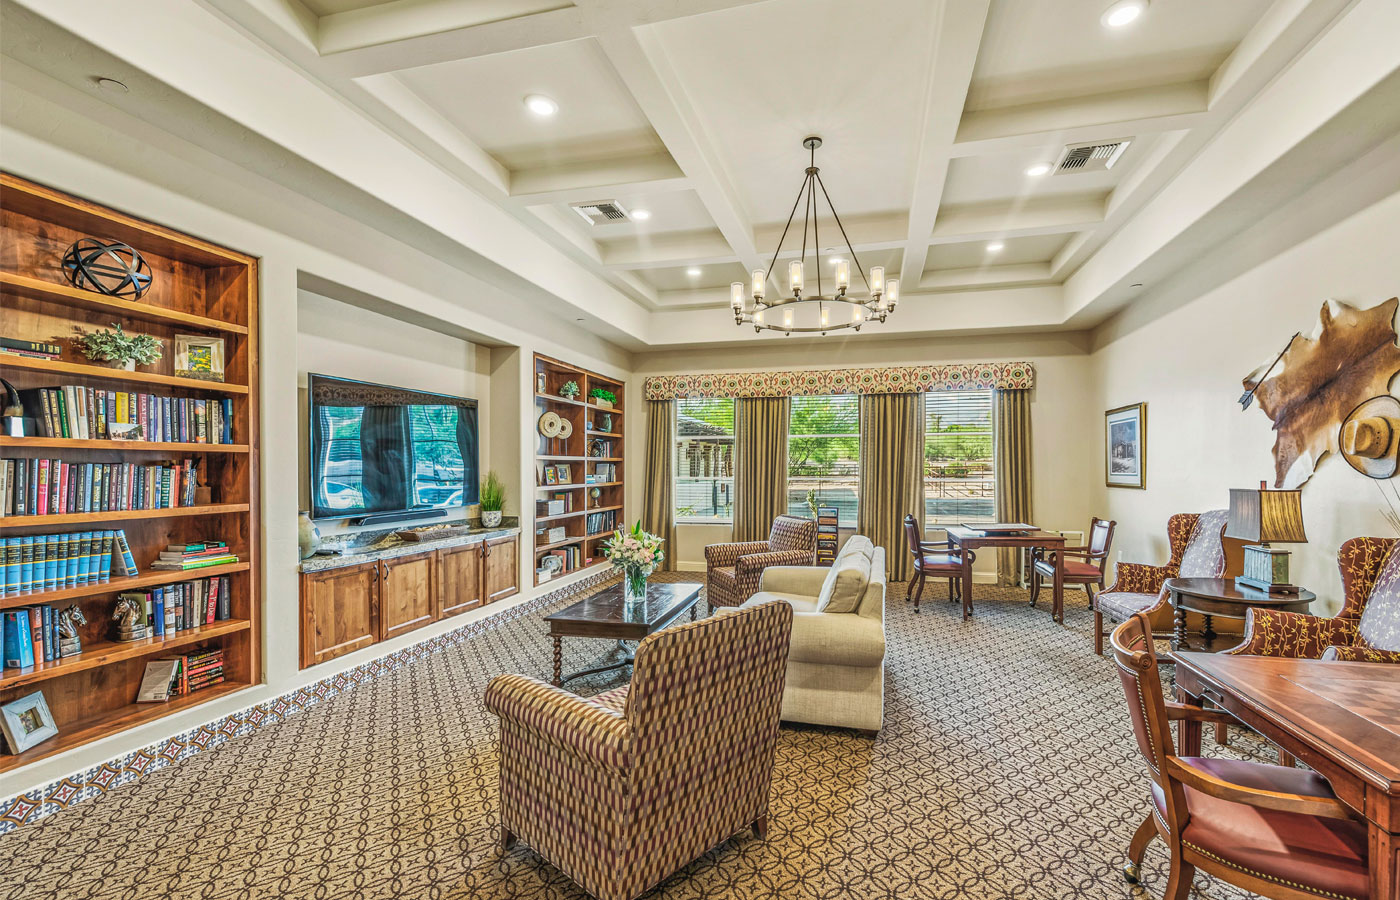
x: 30, y: 807
x: 885, y: 380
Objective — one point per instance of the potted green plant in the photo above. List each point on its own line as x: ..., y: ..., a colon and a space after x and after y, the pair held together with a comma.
x: 118, y: 349
x: 493, y: 500
x: 602, y: 397
x: 569, y: 390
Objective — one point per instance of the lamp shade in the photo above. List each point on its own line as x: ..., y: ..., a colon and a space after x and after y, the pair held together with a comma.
x: 1263, y: 516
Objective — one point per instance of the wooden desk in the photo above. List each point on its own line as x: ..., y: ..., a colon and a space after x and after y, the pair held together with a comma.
x: 1341, y: 718
x: 966, y: 538
x: 1213, y: 597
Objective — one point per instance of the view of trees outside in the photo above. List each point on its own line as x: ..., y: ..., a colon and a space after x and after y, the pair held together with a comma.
x: 959, y: 479
x: 824, y: 455
x: 438, y: 468
x: 704, y: 462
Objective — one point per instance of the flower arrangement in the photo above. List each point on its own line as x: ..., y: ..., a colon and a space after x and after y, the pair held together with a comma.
x: 118, y: 347
x: 635, y: 554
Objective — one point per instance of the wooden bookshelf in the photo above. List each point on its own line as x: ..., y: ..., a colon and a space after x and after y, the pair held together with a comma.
x: 587, y: 419
x: 198, y: 288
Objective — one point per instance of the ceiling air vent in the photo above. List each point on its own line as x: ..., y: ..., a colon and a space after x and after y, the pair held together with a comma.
x: 601, y: 212
x: 1095, y: 156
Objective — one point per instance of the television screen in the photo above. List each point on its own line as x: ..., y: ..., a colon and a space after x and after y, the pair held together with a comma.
x: 382, y: 449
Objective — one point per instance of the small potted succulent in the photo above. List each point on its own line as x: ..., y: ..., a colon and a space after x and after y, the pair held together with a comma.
x: 602, y: 397
x: 569, y: 390
x: 117, y: 349
x: 493, y: 500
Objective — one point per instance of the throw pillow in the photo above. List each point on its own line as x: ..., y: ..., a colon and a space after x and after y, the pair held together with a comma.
x: 1379, y: 625
x: 845, y: 584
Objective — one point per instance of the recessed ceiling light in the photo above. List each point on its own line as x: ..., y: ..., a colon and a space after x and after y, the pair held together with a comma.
x: 641, y: 215
x: 995, y: 247
x: 693, y: 271
x: 541, y: 105
x: 111, y: 84
x: 1038, y: 170
x: 1123, y: 12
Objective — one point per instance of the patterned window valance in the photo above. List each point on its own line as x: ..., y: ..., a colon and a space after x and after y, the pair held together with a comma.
x: 883, y: 380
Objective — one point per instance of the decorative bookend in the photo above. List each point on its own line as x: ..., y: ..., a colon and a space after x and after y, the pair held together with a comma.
x: 130, y: 619
x: 70, y: 643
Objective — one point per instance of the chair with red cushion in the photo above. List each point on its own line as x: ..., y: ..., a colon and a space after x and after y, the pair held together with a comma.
x: 934, y: 558
x: 1088, y: 569
x: 1273, y: 830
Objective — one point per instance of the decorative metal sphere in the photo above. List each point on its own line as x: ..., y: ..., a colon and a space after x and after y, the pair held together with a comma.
x: 108, y: 267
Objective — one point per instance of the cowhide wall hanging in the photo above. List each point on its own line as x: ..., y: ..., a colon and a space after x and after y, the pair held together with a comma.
x: 1319, y: 379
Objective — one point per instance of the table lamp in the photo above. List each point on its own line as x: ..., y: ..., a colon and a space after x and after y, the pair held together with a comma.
x: 1265, y: 517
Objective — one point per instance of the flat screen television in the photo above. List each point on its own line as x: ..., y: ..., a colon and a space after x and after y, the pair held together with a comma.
x: 378, y: 449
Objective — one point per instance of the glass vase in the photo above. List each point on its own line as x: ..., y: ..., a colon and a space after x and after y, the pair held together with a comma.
x: 634, y: 586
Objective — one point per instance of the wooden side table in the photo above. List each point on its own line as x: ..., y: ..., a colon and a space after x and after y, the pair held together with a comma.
x: 1212, y: 597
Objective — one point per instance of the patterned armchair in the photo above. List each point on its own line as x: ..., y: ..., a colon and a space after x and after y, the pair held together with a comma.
x: 1366, y: 630
x: 620, y: 791
x: 732, y: 571
x: 1198, y: 551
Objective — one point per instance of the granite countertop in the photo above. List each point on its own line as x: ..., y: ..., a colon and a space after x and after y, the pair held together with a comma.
x: 380, y: 545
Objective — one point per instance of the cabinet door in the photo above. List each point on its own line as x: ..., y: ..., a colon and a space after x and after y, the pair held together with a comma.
x: 501, y: 568
x: 338, y: 612
x: 408, y: 599
x: 459, y: 579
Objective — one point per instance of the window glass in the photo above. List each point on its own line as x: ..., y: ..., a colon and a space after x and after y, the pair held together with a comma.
x: 704, y: 461
x: 824, y: 455
x: 959, y: 481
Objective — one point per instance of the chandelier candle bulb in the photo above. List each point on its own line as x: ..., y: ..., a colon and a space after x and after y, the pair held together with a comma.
x: 892, y: 293
x: 877, y: 280
x: 758, y: 284
x: 826, y: 317
x: 843, y: 275
x: 787, y: 318
x: 736, y: 296
x: 795, y: 276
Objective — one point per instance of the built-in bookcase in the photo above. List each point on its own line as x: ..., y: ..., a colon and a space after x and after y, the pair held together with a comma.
x: 594, y: 456
x: 198, y: 289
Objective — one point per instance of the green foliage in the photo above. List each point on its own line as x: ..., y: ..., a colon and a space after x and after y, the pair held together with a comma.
x: 603, y: 394
x: 118, y: 346
x: 493, y: 493
x: 716, y: 411
x: 569, y: 389
x: 822, y: 432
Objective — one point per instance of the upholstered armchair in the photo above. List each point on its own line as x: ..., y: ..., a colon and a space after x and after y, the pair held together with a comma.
x: 620, y: 792
x: 1198, y: 551
x: 1366, y: 630
x: 732, y: 571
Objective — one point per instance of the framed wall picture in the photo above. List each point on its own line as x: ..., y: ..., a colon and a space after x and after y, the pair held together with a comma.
x: 199, y: 356
x: 565, y: 474
x: 26, y: 722
x: 1125, y: 446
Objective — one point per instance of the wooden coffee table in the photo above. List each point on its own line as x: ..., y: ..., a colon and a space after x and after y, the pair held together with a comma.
x: 604, y: 615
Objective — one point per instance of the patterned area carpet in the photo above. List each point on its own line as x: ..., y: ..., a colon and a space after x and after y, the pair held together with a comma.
x: 1005, y: 770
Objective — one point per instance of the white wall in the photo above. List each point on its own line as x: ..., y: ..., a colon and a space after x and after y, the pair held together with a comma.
x: 1063, y: 489
x: 1188, y: 363
x: 335, y: 338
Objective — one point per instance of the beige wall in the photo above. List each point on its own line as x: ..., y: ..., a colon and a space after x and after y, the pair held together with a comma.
x: 1063, y: 480
x: 1188, y: 364
x: 335, y: 338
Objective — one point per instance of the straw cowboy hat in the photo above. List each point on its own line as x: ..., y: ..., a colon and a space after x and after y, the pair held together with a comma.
x: 1370, y: 436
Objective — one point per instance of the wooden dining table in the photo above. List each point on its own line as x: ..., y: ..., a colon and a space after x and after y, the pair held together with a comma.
x: 1340, y: 718
x: 966, y: 537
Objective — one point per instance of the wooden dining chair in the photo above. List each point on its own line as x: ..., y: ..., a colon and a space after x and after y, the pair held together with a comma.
x: 934, y: 558
x: 1085, y: 566
x: 1276, y: 831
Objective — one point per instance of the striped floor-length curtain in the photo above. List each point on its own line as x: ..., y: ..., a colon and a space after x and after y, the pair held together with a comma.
x: 760, y: 465
x: 1011, y: 438
x: 891, y: 473
x: 659, y: 496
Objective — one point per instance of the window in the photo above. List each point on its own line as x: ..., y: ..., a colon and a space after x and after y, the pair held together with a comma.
x: 959, y: 480
x: 704, y: 462
x: 824, y: 454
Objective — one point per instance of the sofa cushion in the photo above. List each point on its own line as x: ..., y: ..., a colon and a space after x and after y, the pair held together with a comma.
x: 845, y: 584
x: 1379, y: 626
x: 1121, y: 605
x: 836, y: 640
x: 858, y: 544
x: 796, y: 601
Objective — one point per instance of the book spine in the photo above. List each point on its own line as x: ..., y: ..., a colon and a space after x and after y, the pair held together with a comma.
x: 128, y: 561
x: 105, y: 567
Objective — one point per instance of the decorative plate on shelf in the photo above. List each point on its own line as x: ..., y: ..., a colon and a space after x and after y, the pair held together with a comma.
x: 566, y: 428
x: 550, y: 424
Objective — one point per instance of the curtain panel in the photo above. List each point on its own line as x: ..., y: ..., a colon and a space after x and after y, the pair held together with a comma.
x: 760, y: 465
x: 1011, y: 438
x: 891, y: 474
x: 659, y: 495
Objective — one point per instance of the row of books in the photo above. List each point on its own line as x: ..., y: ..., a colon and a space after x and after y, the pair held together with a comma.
x: 30, y: 636
x: 603, y: 473
x: 32, y: 349
x: 182, y: 557
x: 173, y: 608
x: 601, y: 521
x: 36, y: 563
x: 41, y: 487
x: 77, y: 411
x: 181, y: 675
x: 570, y: 558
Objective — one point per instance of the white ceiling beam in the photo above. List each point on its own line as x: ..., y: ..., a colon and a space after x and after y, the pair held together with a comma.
x: 979, y: 221
x: 956, y: 36
x: 581, y: 182
x: 985, y: 277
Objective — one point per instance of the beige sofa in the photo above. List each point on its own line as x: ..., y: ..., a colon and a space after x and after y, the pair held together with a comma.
x: 836, y: 663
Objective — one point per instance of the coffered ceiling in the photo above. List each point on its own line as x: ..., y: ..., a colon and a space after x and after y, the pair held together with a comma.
x: 689, y: 115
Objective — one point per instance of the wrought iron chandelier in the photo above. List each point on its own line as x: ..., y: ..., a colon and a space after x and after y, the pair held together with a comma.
x: 813, y: 312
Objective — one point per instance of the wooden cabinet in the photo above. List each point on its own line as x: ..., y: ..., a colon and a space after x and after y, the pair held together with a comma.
x: 347, y: 608
x: 500, y: 568
x: 338, y: 612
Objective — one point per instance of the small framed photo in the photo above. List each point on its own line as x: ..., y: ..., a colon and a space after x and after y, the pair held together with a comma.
x: 1125, y: 446
x: 26, y: 722
x: 126, y: 431
x: 550, y: 476
x: 565, y: 475
x: 199, y: 356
